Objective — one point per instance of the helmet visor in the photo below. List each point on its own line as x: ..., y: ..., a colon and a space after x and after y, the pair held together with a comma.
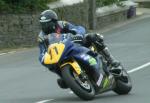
x: 48, y: 27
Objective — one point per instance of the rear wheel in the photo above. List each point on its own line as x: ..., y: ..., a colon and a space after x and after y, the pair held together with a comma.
x: 123, y: 83
x: 82, y: 88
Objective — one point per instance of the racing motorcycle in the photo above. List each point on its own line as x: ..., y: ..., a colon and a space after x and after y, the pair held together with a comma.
x: 83, y: 70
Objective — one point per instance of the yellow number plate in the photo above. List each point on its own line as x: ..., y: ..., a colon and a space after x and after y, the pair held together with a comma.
x: 54, y: 53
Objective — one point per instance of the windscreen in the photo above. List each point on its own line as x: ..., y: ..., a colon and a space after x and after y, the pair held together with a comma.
x: 55, y: 38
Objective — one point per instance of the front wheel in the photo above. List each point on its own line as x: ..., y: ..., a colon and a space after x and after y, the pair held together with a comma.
x: 83, y: 89
x: 123, y: 83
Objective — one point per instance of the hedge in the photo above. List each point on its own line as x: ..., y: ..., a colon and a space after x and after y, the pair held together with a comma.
x: 23, y: 5
x: 100, y: 3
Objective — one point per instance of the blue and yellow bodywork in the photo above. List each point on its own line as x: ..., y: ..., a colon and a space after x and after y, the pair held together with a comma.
x: 62, y: 51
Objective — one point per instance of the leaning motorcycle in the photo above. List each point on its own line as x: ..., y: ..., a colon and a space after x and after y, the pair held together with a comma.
x: 84, y: 71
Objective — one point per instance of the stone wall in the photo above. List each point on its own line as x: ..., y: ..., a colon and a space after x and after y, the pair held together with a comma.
x: 21, y: 30
x: 144, y: 3
x: 18, y: 30
x: 77, y: 13
x: 109, y: 18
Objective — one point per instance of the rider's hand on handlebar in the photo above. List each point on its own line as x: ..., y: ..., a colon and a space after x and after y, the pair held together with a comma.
x: 42, y: 38
x: 77, y: 38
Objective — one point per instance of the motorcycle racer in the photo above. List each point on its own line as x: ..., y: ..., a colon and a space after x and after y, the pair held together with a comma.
x: 50, y: 24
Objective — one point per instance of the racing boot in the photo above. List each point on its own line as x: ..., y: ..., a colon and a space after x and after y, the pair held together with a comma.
x: 98, y: 41
x: 101, y: 48
x: 62, y: 83
x: 109, y: 58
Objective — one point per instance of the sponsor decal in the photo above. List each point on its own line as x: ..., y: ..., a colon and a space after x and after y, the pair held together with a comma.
x: 85, y: 57
x: 92, y: 61
x: 106, y: 83
x: 100, y: 80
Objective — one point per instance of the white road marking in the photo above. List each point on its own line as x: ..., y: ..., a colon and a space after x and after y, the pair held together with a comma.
x: 44, y: 101
x: 130, y: 71
x: 8, y: 53
x: 3, y: 53
x: 139, y: 68
x: 12, y: 52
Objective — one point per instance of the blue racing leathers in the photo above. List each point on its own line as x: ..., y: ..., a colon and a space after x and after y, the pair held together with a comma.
x: 62, y: 27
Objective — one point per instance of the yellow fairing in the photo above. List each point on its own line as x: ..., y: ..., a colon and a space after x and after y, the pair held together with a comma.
x: 75, y: 66
x: 54, y: 53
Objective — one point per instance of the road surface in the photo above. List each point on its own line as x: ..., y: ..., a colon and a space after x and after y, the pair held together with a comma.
x: 24, y: 80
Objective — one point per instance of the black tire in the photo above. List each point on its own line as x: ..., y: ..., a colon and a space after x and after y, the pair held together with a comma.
x: 123, y: 84
x: 74, y: 86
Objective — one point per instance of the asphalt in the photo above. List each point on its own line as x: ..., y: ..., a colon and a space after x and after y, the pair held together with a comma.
x: 24, y: 80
